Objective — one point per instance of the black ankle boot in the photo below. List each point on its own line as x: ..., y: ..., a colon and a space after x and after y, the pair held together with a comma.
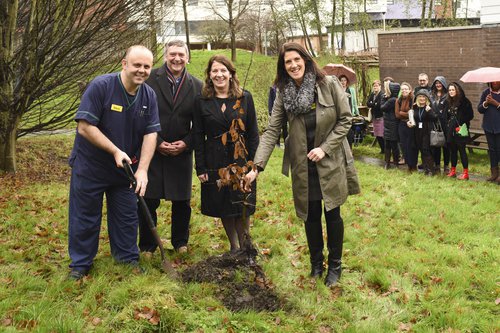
x: 334, y: 272
x: 316, y: 269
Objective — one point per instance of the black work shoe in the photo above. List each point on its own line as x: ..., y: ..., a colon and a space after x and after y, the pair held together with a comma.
x: 333, y: 275
x: 77, y: 275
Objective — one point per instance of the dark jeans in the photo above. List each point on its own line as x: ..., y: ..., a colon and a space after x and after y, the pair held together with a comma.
x: 436, y: 155
x: 493, y: 148
x: 391, y: 146
x: 407, y: 140
x: 454, y: 149
x: 314, y: 232
x: 181, y: 214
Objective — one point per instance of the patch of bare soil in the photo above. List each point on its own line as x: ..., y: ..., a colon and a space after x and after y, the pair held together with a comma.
x: 242, y: 284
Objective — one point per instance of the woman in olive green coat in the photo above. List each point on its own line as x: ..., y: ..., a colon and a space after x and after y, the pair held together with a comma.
x: 316, y: 149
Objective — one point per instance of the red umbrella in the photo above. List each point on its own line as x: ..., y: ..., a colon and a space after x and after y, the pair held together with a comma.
x: 338, y: 70
x: 483, y: 74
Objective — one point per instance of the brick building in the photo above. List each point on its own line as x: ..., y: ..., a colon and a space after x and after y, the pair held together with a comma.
x: 449, y: 52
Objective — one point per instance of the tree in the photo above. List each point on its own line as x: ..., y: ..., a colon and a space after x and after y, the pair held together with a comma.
x: 300, y: 12
x: 334, y: 17
x: 343, y: 26
x: 46, y: 48
x: 317, y: 22
x: 186, y: 22
x: 231, y: 14
x: 215, y: 33
x: 278, y: 24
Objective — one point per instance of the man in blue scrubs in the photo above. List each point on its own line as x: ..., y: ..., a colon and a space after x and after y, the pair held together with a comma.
x: 117, y: 120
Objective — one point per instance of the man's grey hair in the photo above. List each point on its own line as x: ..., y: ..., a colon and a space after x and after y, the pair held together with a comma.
x: 423, y: 75
x: 178, y: 43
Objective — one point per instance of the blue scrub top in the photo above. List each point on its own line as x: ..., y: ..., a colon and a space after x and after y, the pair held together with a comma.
x: 121, y: 119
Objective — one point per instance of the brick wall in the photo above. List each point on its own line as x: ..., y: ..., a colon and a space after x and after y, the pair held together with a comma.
x: 449, y: 52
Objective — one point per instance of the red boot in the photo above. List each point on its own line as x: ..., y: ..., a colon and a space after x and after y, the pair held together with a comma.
x: 464, y: 175
x: 453, y: 172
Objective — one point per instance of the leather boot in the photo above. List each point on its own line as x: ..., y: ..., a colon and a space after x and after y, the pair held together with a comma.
x: 464, y: 175
x: 314, y: 234
x: 453, y: 172
x: 334, y: 272
x: 335, y: 230
x: 494, y: 174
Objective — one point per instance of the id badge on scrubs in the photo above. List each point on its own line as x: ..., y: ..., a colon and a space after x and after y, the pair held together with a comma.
x: 420, y: 125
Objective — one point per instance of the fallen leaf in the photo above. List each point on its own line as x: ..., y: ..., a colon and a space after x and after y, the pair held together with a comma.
x: 96, y: 321
x: 497, y: 301
x: 265, y: 252
x: 324, y: 329
x: 404, y: 327
x: 7, y: 322
x: 277, y: 320
x: 436, y: 279
x: 155, y: 320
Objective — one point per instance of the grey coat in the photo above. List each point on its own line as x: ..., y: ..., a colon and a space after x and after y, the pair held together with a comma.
x: 170, y: 177
x: 337, y: 175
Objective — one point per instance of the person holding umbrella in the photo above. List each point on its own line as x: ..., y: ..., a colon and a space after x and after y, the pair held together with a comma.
x: 489, y: 106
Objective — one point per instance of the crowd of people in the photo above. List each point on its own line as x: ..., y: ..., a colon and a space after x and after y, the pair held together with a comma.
x: 154, y: 119
x: 403, y: 119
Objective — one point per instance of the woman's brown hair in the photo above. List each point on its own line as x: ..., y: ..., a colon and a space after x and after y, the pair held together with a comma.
x: 282, y: 76
x: 234, y: 84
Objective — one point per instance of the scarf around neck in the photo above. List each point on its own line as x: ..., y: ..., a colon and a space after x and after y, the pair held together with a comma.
x: 298, y: 100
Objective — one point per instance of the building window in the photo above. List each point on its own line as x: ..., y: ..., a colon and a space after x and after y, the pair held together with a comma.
x: 390, y: 2
x: 192, y: 2
x: 372, y: 2
x: 220, y: 3
x: 438, y: 3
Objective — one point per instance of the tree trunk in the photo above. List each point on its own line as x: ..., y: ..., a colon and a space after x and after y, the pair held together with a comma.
x: 8, y: 146
x: 299, y: 11
x: 332, y: 33
x: 232, y: 30
x: 186, y: 23
x: 152, y: 28
x: 429, y: 14
x: 343, y: 27
x: 8, y: 15
x: 422, y: 16
x: 318, y: 26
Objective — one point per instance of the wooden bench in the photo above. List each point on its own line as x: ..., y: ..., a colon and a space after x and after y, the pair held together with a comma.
x: 478, y: 140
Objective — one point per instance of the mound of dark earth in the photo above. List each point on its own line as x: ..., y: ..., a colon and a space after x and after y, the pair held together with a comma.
x: 242, y: 284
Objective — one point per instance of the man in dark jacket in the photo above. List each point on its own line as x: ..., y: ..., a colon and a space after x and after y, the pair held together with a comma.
x: 423, y: 83
x: 170, y: 172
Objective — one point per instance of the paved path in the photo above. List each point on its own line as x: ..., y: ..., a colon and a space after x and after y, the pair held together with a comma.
x: 379, y: 162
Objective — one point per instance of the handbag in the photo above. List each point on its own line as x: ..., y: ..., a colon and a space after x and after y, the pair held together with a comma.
x: 437, y: 135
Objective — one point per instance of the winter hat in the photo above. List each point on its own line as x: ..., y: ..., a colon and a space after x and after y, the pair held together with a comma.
x: 423, y: 92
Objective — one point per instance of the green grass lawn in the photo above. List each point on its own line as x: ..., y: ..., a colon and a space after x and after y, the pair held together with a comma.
x: 421, y: 254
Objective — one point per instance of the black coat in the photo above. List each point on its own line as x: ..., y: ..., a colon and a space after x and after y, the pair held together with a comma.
x: 457, y: 116
x: 423, y: 133
x: 388, y: 107
x: 374, y: 102
x: 170, y: 177
x: 210, y: 123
